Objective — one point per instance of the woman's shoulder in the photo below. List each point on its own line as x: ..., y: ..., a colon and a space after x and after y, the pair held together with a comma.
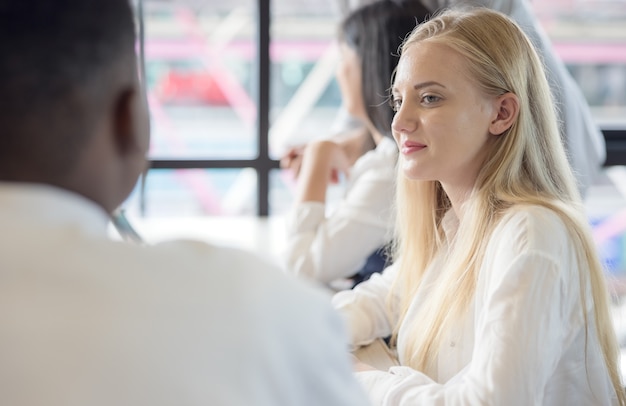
x: 532, y: 227
x: 531, y: 214
x: 378, y: 163
x: 386, y: 152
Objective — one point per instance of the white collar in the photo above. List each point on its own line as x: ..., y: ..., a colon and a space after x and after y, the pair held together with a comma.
x: 51, y: 205
x: 450, y: 225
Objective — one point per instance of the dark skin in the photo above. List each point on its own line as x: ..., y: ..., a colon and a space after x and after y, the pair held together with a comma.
x: 114, y: 155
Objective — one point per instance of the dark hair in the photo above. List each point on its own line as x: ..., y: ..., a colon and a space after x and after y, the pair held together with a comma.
x: 60, y: 59
x: 376, y: 32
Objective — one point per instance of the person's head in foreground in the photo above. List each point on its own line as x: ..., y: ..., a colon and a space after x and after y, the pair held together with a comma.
x: 72, y: 112
x: 478, y: 138
x: 369, y: 39
x: 87, y: 320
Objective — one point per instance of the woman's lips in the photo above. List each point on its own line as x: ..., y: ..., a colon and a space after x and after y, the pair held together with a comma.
x: 408, y: 147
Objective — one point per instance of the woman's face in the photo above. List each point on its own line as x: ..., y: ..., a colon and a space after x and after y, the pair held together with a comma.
x: 442, y: 118
x: 349, y: 78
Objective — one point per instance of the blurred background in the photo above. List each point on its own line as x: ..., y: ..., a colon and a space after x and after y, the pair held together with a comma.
x: 232, y: 83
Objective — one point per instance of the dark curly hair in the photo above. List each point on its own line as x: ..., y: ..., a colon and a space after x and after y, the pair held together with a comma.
x: 58, y: 60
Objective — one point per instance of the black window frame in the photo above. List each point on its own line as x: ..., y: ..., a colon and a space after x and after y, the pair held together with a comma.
x: 263, y: 164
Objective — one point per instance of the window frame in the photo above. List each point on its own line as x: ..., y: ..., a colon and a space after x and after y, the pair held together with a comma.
x: 263, y: 164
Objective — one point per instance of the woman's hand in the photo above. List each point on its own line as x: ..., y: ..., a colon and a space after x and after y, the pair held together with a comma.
x: 323, y: 162
x: 353, y: 143
x: 292, y: 160
x: 326, y: 157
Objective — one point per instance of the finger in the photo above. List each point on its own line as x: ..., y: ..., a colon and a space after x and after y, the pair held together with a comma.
x: 334, y: 176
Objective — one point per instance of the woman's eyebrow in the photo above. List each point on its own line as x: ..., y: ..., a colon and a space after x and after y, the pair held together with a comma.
x: 426, y: 84
x: 422, y: 85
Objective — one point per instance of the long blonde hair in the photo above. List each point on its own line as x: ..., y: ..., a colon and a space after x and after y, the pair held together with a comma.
x: 525, y: 165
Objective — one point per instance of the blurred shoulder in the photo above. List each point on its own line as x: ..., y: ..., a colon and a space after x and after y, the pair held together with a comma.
x: 245, y: 274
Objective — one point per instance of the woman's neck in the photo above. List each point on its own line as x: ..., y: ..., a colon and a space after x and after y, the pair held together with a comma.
x: 458, y: 194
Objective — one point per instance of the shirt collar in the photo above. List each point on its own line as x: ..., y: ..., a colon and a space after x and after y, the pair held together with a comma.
x: 50, y: 205
x: 450, y: 225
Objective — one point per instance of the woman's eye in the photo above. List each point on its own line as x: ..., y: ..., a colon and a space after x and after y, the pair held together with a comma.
x: 395, y: 104
x: 429, y: 99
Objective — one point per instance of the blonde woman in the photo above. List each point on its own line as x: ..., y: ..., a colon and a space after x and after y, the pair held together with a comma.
x: 496, y: 295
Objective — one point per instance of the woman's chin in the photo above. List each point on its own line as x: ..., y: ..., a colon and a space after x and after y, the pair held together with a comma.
x: 413, y: 173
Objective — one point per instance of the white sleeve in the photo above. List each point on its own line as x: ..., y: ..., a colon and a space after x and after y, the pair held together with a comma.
x: 518, y: 343
x: 326, y: 248
x: 366, y: 309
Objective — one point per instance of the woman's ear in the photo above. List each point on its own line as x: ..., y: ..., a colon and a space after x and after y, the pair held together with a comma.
x: 507, y: 107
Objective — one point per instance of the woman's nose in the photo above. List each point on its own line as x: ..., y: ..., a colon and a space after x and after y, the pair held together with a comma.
x: 402, y: 121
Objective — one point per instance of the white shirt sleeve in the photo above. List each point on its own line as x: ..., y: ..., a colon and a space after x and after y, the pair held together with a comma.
x: 328, y: 247
x: 366, y: 308
x: 516, y: 346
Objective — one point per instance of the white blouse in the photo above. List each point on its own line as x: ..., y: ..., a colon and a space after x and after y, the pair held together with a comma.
x: 328, y: 247
x: 523, y: 339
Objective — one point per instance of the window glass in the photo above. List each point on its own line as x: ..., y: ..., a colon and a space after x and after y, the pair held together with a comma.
x: 199, y: 61
x: 303, y: 54
x: 194, y: 192
x: 590, y: 37
x: 304, y: 95
x: 282, y: 185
